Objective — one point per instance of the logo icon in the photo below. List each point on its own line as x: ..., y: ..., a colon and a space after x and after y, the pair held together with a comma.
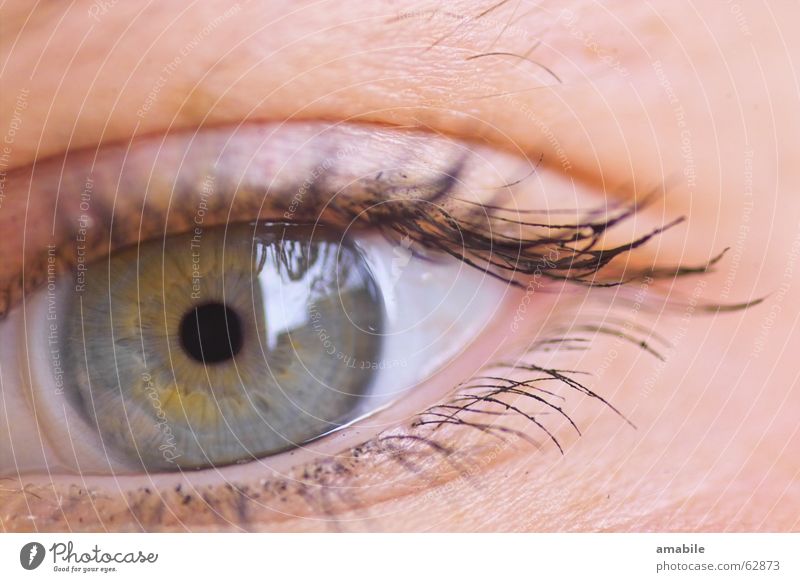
x: 31, y: 555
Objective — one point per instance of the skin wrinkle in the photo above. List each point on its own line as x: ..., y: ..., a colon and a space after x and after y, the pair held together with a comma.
x: 670, y: 475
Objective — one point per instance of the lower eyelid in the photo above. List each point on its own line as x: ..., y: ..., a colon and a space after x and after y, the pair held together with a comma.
x: 399, y: 462
x: 396, y: 411
x: 395, y: 463
x: 61, y: 500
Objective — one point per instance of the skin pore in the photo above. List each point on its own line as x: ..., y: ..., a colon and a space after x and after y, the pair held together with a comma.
x: 616, y: 97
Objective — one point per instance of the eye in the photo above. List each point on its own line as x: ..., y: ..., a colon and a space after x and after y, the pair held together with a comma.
x: 232, y: 340
x: 237, y: 342
x: 236, y: 315
x: 207, y: 309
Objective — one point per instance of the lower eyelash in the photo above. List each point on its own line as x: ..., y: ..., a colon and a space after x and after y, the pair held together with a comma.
x: 326, y: 488
x: 488, y: 391
x: 482, y: 404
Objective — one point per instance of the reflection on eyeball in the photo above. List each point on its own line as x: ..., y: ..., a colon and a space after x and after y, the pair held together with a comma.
x: 237, y: 342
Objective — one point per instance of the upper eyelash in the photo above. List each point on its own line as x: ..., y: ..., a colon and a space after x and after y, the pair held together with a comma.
x: 427, y: 215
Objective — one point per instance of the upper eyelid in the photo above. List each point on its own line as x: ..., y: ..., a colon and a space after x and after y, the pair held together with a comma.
x: 150, y: 188
x: 288, y: 179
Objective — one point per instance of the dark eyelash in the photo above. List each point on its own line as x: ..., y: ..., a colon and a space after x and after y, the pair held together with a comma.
x: 483, y: 236
x: 488, y: 391
x: 458, y: 228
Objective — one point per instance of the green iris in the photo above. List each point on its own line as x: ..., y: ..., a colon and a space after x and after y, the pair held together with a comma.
x: 223, y: 345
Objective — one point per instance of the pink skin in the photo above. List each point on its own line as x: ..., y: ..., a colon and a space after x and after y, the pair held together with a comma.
x: 701, y: 97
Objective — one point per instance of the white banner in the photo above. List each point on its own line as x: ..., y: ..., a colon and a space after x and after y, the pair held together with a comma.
x: 406, y: 557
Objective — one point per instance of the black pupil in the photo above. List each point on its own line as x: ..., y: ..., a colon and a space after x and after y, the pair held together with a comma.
x: 211, y: 333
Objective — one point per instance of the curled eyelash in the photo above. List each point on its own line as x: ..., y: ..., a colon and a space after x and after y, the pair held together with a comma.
x: 541, y: 387
x: 509, y: 248
x: 424, y: 212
